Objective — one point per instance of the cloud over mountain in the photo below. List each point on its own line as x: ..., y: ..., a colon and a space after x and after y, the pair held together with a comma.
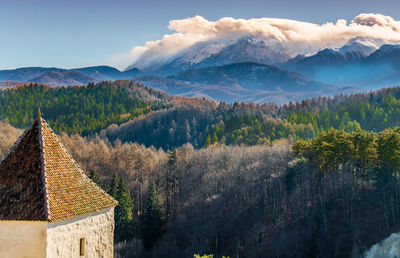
x: 299, y: 37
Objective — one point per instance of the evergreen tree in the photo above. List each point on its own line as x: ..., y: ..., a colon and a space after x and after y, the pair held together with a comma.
x: 171, y: 182
x: 94, y: 176
x: 82, y: 110
x: 151, y: 221
x: 172, y: 159
x: 208, y: 141
x: 215, y: 138
x: 124, y: 213
x: 113, y: 188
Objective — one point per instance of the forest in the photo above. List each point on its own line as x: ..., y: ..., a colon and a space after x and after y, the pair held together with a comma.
x: 328, y: 196
x: 131, y: 112
x: 78, y: 109
x: 203, y: 123
x: 319, y: 178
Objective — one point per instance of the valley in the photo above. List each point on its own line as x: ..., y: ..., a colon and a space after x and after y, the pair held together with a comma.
x: 234, y: 137
x: 189, y: 164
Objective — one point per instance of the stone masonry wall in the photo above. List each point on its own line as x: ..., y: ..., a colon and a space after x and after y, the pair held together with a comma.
x: 63, y: 238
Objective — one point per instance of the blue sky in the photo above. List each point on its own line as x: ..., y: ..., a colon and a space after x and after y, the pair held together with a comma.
x: 87, y: 32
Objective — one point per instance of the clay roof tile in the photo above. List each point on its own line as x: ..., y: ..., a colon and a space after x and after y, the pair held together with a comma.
x: 39, y: 180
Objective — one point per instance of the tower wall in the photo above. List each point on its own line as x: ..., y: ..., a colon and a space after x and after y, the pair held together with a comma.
x: 97, y: 230
x: 22, y: 239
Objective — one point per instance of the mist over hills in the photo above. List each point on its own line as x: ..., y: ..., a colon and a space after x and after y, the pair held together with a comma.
x: 356, y: 68
x: 248, y: 82
x: 252, y: 76
x: 235, y: 93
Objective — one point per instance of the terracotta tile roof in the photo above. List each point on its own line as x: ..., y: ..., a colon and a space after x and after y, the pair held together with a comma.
x: 39, y: 180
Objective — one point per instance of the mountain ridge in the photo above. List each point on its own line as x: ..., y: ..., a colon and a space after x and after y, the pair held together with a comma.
x: 91, y: 73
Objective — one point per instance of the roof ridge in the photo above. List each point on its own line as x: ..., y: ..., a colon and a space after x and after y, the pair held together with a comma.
x: 76, y: 163
x: 43, y: 173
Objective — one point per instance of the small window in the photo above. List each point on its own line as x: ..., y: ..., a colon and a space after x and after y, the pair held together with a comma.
x: 82, y: 246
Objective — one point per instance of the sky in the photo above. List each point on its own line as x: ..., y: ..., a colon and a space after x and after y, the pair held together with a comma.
x: 78, y: 33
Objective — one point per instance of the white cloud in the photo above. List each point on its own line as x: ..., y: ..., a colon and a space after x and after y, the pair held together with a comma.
x: 302, y: 35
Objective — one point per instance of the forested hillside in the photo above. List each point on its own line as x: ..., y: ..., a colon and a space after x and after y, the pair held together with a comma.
x: 132, y: 112
x: 80, y: 109
x: 203, y: 123
x: 372, y: 111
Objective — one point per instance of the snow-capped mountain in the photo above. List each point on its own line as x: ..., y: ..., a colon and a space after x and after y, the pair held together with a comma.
x: 359, y: 47
x: 259, y: 49
x: 184, y: 60
x: 251, y: 48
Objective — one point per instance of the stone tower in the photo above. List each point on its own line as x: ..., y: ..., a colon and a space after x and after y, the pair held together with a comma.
x: 48, y: 206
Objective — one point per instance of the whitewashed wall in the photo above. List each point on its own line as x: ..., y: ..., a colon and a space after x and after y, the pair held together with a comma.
x: 97, y: 229
x: 22, y: 239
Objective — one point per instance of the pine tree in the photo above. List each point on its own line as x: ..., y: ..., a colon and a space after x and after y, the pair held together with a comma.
x: 171, y: 182
x: 94, y: 176
x: 172, y: 159
x: 124, y: 213
x: 152, y: 221
x: 208, y: 141
x: 215, y: 138
x: 113, y: 188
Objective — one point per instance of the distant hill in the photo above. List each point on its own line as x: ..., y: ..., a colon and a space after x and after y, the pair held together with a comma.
x: 58, y: 76
x: 105, y: 73
x: 67, y: 78
x: 26, y: 73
